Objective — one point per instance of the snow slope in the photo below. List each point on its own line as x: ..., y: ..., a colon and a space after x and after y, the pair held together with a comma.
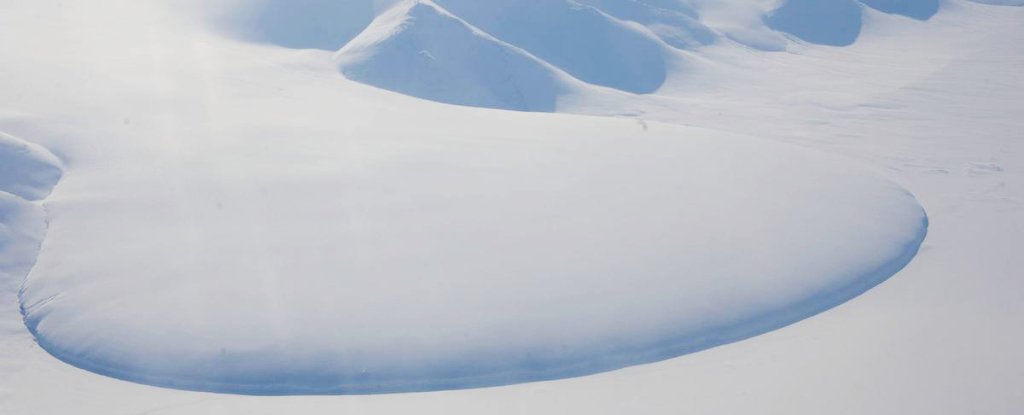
x: 422, y: 50
x: 27, y: 174
x: 936, y: 116
x: 583, y: 41
x: 313, y: 24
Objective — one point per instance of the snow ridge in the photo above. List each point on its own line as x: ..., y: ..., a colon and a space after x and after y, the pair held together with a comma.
x: 422, y: 50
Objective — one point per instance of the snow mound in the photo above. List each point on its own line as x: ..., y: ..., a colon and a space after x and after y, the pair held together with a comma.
x: 839, y: 22
x: 27, y: 170
x: 826, y: 22
x: 580, y: 40
x: 917, y: 9
x: 422, y: 50
x: 673, y: 22
x: 520, y: 54
x: 374, y: 257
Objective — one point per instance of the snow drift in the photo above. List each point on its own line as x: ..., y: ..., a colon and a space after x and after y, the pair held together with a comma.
x: 27, y: 171
x: 478, y: 47
x: 422, y: 50
x: 584, y: 42
x: 378, y: 258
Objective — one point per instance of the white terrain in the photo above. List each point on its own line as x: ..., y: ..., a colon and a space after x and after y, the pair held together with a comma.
x: 511, y: 206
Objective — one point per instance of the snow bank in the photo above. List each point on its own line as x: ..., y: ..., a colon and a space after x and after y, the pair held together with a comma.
x: 566, y: 34
x: 27, y: 173
x: 422, y: 50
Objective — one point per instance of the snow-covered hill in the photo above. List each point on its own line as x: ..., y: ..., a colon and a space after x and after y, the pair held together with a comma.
x: 422, y: 50
x: 629, y: 45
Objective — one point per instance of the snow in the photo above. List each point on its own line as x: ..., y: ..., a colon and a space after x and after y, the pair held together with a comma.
x: 828, y: 22
x: 674, y: 22
x: 564, y: 33
x: 208, y: 180
x: 422, y: 50
x: 392, y: 262
x: 27, y: 171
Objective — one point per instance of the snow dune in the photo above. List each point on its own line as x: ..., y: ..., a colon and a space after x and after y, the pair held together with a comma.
x: 511, y: 55
x: 520, y: 54
x: 422, y: 50
x: 583, y: 41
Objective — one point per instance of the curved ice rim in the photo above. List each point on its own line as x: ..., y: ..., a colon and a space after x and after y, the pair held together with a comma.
x: 618, y: 359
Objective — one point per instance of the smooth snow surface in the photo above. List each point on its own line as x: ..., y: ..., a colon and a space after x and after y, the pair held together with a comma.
x: 302, y: 24
x: 387, y: 261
